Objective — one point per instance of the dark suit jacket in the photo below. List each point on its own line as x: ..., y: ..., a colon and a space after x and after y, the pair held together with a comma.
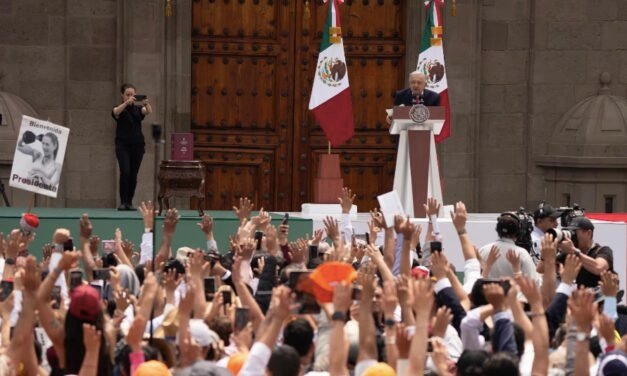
x: 405, y: 97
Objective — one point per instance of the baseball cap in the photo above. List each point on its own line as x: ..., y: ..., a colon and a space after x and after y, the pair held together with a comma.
x: 85, y: 303
x: 201, y: 333
x: 379, y: 369
x: 420, y: 272
x: 544, y: 211
x: 581, y: 223
x: 613, y: 363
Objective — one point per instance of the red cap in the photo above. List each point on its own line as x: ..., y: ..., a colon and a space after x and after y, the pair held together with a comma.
x: 29, y: 222
x: 85, y: 303
x: 419, y: 272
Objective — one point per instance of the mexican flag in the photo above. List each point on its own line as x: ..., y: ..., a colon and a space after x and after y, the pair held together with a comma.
x: 330, y: 95
x: 431, y: 60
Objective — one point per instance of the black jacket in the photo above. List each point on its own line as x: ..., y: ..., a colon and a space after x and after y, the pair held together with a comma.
x: 405, y: 97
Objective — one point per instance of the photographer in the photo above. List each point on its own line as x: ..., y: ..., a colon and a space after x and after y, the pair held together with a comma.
x: 544, y: 219
x: 595, y: 258
x: 507, y: 227
x: 129, y: 140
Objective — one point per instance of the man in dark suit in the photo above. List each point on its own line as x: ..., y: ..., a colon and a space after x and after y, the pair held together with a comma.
x: 416, y: 93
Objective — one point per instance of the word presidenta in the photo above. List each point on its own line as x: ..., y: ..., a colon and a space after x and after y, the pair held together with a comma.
x: 34, y: 182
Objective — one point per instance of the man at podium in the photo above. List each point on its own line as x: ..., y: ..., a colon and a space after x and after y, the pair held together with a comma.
x: 416, y: 92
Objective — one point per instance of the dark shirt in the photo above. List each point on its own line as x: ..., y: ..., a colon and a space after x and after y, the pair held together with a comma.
x: 129, y: 126
x: 591, y: 280
x: 406, y: 98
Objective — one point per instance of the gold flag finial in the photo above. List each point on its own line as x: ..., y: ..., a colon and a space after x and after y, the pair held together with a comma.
x: 454, y: 8
x: 306, y: 13
x: 168, y: 8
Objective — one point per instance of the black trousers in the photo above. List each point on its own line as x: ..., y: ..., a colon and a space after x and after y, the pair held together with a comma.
x: 129, y: 160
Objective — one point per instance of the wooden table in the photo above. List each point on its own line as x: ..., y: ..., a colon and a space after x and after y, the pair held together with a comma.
x: 181, y: 179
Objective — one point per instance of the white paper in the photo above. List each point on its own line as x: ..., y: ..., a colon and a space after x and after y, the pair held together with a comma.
x: 38, y: 158
x: 389, y: 112
x: 390, y: 205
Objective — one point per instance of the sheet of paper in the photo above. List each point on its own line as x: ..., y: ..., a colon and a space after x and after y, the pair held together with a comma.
x: 390, y: 205
x: 389, y: 111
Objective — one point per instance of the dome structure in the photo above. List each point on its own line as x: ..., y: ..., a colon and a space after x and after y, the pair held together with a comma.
x: 592, y: 133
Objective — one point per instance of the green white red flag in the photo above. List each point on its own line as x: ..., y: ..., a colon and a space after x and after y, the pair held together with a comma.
x: 330, y: 100
x: 431, y: 60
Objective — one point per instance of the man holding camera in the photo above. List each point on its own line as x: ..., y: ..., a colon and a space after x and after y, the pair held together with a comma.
x: 595, y: 258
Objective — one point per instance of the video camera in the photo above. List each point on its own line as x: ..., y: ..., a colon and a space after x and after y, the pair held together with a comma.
x: 570, y: 213
x: 522, y: 227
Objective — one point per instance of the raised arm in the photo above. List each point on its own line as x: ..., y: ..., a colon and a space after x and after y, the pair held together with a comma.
x: 367, y: 337
x: 407, y: 229
x: 540, y: 333
x: 548, y: 253
x: 338, y: 347
x: 423, y: 302
x: 86, y: 229
x: 169, y: 227
x: 117, y: 110
x: 247, y: 299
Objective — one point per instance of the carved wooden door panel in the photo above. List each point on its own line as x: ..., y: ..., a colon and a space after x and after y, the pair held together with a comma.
x: 374, y: 43
x: 253, y: 63
x: 242, y: 99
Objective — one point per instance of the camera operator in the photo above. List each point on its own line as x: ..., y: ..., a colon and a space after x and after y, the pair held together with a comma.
x: 595, y: 258
x: 544, y: 218
x: 507, y: 228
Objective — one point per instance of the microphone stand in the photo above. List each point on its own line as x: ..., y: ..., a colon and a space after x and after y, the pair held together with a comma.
x: 156, y: 138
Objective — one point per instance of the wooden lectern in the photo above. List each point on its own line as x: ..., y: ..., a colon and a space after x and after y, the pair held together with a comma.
x: 417, y: 174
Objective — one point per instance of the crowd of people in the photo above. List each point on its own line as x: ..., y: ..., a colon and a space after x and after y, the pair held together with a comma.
x: 388, y: 305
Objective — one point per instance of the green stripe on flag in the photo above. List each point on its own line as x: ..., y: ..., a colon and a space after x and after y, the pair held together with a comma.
x: 325, y: 43
x: 425, y: 41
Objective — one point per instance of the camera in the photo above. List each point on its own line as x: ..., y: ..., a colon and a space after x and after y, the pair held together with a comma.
x: 561, y: 234
x: 570, y: 213
x: 520, y: 225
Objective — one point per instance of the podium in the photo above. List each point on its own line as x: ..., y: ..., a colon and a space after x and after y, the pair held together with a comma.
x: 417, y: 174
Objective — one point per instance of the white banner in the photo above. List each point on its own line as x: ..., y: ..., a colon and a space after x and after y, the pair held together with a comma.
x: 39, y: 155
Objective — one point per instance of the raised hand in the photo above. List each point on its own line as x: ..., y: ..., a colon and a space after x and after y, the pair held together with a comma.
x: 495, y: 295
x: 607, y: 329
x: 583, y: 308
x: 172, y: 217
x: 246, y: 248
x: 206, y: 225
x: 16, y: 237
x: 31, y: 279
x: 459, y: 217
x: 530, y: 290
x: 122, y: 300
x: 61, y: 235
x: 402, y: 225
x: 432, y: 207
x: 609, y: 283
x: 415, y: 237
x: 245, y: 208
x: 86, y: 227
x: 439, y: 265
x: 317, y: 237
x: 136, y: 333
x: 147, y: 210
x: 91, y: 337
x: 346, y: 200
x: 390, y: 300
x: 404, y: 291
x: 514, y: 259
x: 128, y: 247
x: 572, y: 266
x: 441, y: 321
x: 423, y: 298
x: 342, y: 297
x: 332, y: 227
x: 548, y: 251
x: 492, y: 257
x: 377, y: 218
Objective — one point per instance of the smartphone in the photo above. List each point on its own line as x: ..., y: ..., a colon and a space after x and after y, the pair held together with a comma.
x: 313, y: 252
x: 212, y: 258
x: 98, y: 288
x: 296, y: 278
x: 258, y: 237
x: 55, y: 295
x: 367, y: 238
x: 436, y: 246
x: 242, y: 317
x: 68, y: 246
x: 103, y: 274
x: 210, y: 288
x: 6, y: 287
x: 76, y: 279
x: 286, y: 218
x: 108, y: 246
x: 226, y: 298
x: 140, y: 97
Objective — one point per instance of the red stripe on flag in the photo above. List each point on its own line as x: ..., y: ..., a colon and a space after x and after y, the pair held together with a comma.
x: 336, y: 118
x: 446, y: 128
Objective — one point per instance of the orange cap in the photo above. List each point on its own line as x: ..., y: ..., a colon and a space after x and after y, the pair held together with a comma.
x: 236, y: 362
x: 379, y: 369
x: 328, y: 275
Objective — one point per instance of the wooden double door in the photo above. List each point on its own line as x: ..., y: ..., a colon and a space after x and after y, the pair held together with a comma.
x: 253, y: 63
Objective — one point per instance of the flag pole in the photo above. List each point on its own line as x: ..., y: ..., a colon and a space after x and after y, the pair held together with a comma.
x: 329, y: 143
